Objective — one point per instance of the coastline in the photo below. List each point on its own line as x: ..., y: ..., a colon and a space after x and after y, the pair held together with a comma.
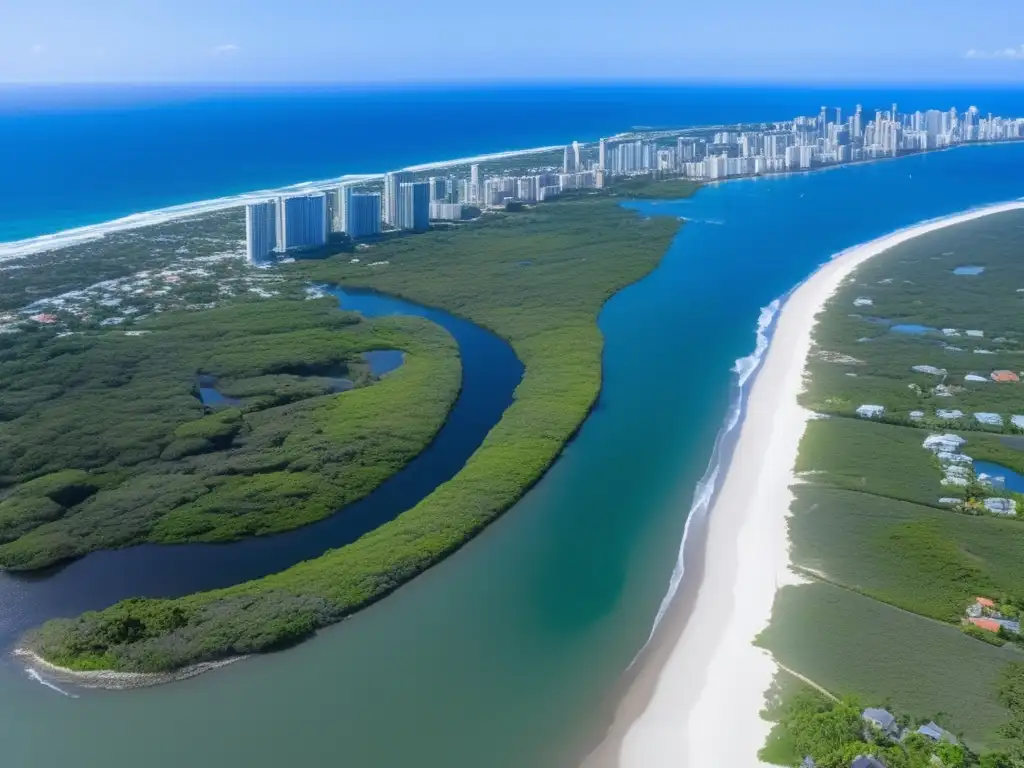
x: 16, y: 249
x: 696, y: 691
x: 108, y: 679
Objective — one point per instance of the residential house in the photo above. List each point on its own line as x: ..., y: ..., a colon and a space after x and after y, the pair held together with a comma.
x: 1005, y: 377
x: 936, y: 733
x: 867, y: 761
x: 882, y: 720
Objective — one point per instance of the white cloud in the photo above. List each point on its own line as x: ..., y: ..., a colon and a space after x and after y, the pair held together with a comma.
x: 1013, y: 54
x: 37, y: 50
x: 227, y: 49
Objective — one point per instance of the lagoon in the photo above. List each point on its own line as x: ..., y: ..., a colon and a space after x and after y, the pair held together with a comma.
x: 507, y: 653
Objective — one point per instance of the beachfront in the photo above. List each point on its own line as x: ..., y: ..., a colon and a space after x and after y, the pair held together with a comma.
x: 699, y: 688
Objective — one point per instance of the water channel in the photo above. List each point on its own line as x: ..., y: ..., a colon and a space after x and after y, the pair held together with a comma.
x: 490, y: 374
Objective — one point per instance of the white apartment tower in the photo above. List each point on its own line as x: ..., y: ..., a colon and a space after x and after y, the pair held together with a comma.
x: 260, y: 230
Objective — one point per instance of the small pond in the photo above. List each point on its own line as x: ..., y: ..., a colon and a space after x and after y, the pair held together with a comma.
x: 211, y: 397
x: 1014, y: 481
x: 912, y: 328
x: 383, y: 361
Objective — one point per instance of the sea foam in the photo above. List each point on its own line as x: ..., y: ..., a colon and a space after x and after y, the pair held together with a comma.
x: 704, y: 494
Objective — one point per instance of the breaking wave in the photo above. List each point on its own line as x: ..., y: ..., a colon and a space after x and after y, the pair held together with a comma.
x: 704, y: 494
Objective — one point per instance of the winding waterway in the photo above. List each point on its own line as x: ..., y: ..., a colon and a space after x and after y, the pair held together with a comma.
x: 507, y: 654
x: 490, y: 374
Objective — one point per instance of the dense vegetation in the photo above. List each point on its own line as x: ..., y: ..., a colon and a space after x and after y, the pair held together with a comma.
x: 117, y: 255
x: 104, y: 441
x: 892, y: 569
x: 538, y: 278
x: 833, y: 733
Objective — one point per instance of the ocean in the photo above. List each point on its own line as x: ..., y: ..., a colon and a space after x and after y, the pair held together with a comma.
x: 508, y: 653
x: 78, y: 155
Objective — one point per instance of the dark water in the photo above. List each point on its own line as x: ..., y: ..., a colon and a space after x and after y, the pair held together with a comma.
x: 504, y: 655
x: 490, y: 372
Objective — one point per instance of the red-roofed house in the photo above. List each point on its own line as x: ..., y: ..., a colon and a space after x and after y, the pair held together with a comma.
x: 1005, y: 376
x: 44, y: 318
x: 985, y: 602
x: 988, y: 624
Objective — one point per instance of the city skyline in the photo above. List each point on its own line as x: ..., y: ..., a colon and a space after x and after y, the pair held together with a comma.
x: 320, y: 41
x: 408, y: 200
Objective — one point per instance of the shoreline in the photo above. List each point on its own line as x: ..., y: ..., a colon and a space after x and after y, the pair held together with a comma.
x: 16, y: 249
x: 108, y: 679
x: 695, y: 692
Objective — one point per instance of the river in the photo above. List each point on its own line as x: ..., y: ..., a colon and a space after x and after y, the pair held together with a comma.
x: 490, y: 374
x: 506, y: 654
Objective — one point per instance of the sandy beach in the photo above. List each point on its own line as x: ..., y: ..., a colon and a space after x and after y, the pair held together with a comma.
x: 695, y: 694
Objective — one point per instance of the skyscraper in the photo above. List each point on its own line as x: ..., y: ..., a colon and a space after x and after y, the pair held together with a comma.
x: 301, y: 222
x: 602, y: 154
x: 474, y: 185
x: 576, y: 164
x: 566, y: 161
x: 363, y: 215
x: 260, y: 230
x: 414, y: 206
x: 438, y: 189
x: 392, y: 184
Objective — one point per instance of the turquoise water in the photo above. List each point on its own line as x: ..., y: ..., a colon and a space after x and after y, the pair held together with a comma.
x: 968, y: 270
x: 913, y: 329
x: 506, y: 654
x: 1013, y: 480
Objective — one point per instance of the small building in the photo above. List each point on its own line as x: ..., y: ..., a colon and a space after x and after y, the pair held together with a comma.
x: 950, y: 501
x: 916, y: 415
x: 951, y: 331
x: 1018, y: 421
x: 936, y: 733
x: 976, y: 334
x: 990, y: 419
x: 989, y: 625
x: 44, y: 318
x: 1005, y: 377
x: 1001, y: 506
x: 870, y: 411
x: 929, y: 369
x: 881, y: 719
x: 995, y: 482
x: 976, y: 378
x: 949, y: 413
x: 862, y: 301
x: 866, y: 761
x: 808, y: 762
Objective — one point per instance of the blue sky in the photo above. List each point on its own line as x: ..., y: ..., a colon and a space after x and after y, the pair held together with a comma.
x: 938, y: 41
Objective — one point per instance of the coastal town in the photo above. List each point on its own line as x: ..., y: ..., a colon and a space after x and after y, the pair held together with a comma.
x: 407, y: 200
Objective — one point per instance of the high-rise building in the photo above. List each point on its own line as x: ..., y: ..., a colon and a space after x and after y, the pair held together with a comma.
x: 414, y: 206
x: 363, y: 216
x: 475, y: 191
x: 301, y: 222
x: 566, y: 161
x: 438, y: 189
x: 602, y: 154
x: 857, y: 128
x: 392, y: 202
x: 260, y: 230
x: 576, y: 164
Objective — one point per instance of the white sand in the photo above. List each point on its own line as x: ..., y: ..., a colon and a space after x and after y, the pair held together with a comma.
x: 705, y: 703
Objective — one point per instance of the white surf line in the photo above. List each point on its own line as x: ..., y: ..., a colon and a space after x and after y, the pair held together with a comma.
x: 34, y: 675
x: 17, y: 249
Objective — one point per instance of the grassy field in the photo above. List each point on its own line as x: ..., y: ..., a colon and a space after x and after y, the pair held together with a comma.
x: 851, y: 644
x: 538, y: 278
x: 893, y: 569
x: 172, y: 470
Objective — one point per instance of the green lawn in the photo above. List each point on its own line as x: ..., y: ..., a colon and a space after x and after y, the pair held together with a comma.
x: 851, y: 644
